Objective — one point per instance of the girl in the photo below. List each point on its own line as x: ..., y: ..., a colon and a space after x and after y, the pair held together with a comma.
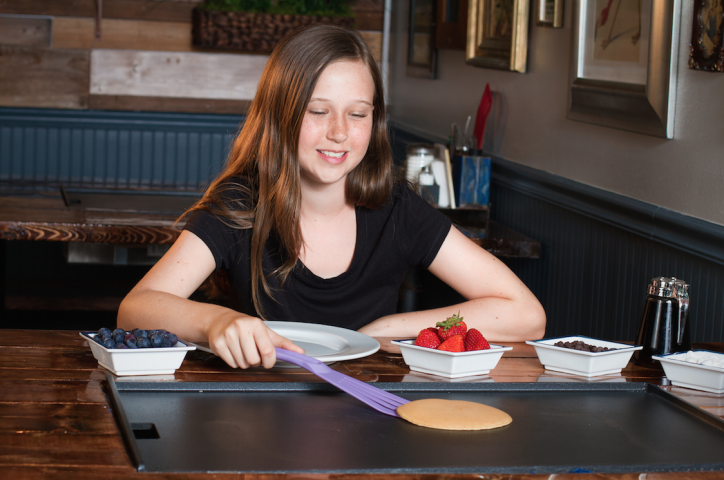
x: 308, y: 223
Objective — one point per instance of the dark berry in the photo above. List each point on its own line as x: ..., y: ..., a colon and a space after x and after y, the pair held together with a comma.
x: 173, y: 339
x: 156, y: 340
x: 121, y: 346
x: 165, y: 343
x: 143, y: 342
x: 119, y: 330
x: 129, y: 336
x: 109, y: 343
x: 130, y: 341
x: 118, y: 337
x: 104, y: 331
x: 141, y: 333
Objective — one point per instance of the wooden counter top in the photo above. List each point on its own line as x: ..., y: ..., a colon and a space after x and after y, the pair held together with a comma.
x: 42, y: 215
x: 55, y: 420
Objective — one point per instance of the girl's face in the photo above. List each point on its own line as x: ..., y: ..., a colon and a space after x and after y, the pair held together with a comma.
x: 337, y: 125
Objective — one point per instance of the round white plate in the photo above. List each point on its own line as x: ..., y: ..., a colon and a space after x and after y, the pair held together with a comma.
x: 326, y: 343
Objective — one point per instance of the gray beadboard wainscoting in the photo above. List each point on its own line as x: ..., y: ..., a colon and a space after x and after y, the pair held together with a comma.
x: 599, y: 250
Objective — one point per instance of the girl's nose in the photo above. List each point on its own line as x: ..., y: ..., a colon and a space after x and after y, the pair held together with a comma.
x: 337, y: 131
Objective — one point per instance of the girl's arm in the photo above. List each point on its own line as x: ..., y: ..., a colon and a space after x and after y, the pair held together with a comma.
x: 161, y: 300
x: 498, y: 303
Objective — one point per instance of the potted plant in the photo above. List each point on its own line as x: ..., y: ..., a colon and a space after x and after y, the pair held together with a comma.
x: 257, y: 25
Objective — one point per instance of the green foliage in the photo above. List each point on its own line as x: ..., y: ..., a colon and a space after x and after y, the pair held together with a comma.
x: 323, y: 8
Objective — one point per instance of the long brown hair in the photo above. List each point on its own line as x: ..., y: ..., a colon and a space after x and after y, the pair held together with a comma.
x: 265, y: 151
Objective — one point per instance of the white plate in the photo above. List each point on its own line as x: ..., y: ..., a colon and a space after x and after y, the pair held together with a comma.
x: 324, y: 342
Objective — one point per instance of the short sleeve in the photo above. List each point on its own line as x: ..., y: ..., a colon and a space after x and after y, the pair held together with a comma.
x: 423, y: 227
x: 219, y: 237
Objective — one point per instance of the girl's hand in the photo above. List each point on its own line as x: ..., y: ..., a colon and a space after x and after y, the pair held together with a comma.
x: 243, y: 341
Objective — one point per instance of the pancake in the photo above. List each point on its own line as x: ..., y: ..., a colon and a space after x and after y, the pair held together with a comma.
x: 453, y: 415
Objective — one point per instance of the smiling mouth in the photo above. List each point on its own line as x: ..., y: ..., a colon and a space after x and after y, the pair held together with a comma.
x: 332, y: 154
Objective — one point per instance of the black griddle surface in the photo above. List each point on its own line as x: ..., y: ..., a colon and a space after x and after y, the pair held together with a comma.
x: 313, y: 428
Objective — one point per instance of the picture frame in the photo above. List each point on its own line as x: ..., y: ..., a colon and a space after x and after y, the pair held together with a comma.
x: 451, y: 31
x: 706, y: 50
x: 549, y: 13
x: 624, y: 65
x: 421, y: 51
x: 498, y: 34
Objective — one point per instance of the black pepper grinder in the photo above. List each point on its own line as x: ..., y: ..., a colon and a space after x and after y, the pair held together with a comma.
x: 664, y: 328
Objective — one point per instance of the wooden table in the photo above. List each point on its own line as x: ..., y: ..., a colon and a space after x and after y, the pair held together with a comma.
x: 55, y: 420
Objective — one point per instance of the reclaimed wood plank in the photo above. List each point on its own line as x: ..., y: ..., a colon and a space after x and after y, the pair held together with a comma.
x: 166, y: 104
x: 49, y: 391
x: 175, y: 74
x: 76, y: 32
x: 57, y: 418
x: 35, y: 339
x: 40, y: 77
x: 45, y: 359
x: 29, y: 31
x: 27, y: 374
x: 166, y: 10
x: 62, y: 450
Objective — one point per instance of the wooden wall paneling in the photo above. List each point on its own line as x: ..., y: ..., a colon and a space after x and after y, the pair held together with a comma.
x: 165, y: 104
x: 76, y: 32
x: 26, y: 30
x: 161, y: 10
x: 185, y: 75
x: 41, y: 77
x: 374, y: 41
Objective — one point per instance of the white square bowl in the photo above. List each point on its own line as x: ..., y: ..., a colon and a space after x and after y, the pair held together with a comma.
x: 692, y: 375
x: 577, y: 362
x: 450, y: 364
x: 138, y: 361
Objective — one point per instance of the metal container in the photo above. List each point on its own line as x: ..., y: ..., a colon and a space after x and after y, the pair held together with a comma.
x: 664, y: 327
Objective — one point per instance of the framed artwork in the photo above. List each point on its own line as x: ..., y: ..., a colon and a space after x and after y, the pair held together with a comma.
x: 549, y: 13
x: 707, y: 48
x: 624, y: 64
x: 421, y: 51
x: 452, y: 24
x: 498, y: 34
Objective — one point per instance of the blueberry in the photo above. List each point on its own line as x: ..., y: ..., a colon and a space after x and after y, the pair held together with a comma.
x: 156, y: 340
x: 134, y: 332
x: 109, y: 343
x: 143, y: 342
x: 118, y: 337
x: 121, y: 346
x: 166, y: 343
x: 118, y: 330
x: 173, y: 339
x: 131, y: 341
x: 140, y: 333
x: 129, y: 336
x: 104, y: 331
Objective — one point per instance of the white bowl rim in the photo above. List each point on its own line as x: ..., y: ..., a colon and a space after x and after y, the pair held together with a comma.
x: 123, y: 351
x: 624, y: 346
x: 493, y: 348
x: 663, y: 358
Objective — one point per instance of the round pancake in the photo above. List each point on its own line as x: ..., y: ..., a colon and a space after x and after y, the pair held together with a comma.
x: 453, y: 414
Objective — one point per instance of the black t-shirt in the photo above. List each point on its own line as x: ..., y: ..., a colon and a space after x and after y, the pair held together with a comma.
x: 405, y: 232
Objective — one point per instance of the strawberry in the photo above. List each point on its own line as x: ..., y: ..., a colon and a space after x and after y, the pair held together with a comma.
x: 455, y: 343
x: 474, y: 340
x: 452, y: 326
x: 428, y: 338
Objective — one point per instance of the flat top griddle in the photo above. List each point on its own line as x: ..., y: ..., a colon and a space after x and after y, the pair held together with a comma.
x: 314, y: 428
